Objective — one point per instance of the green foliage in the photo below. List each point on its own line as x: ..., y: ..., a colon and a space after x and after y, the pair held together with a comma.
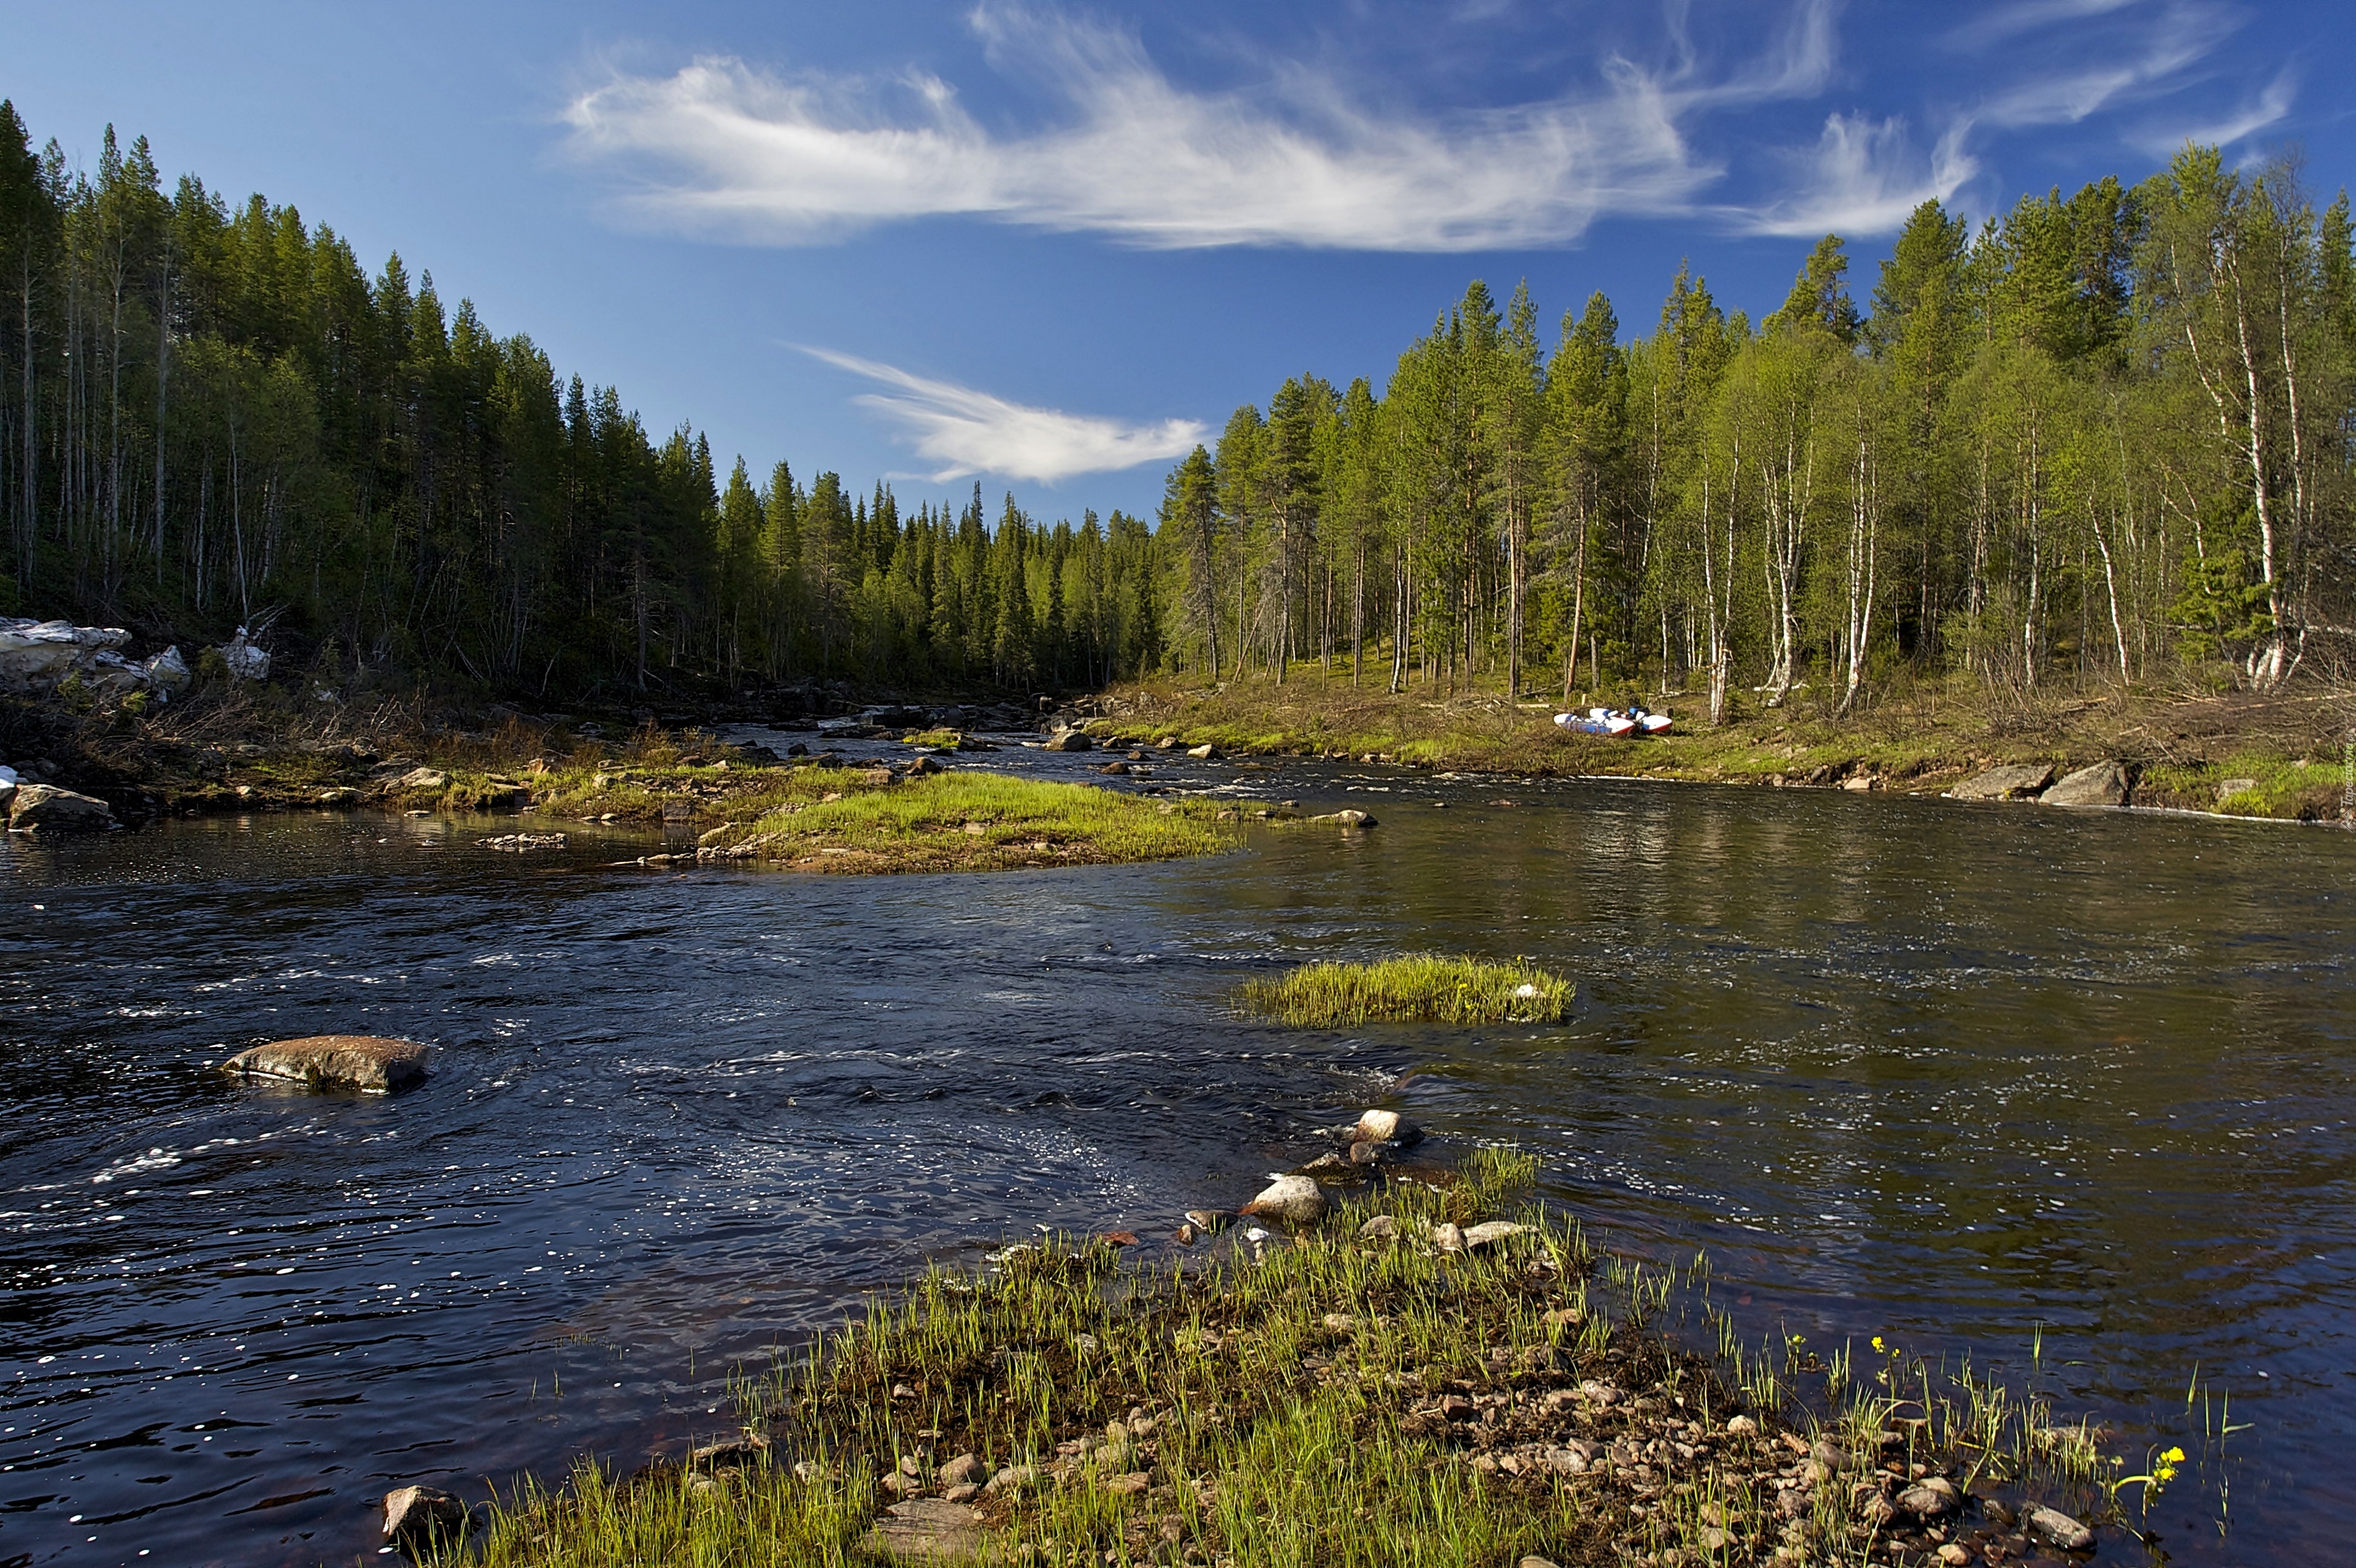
x: 1418, y: 988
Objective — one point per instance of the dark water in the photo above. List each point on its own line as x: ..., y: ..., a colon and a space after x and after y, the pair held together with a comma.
x: 1935, y: 1071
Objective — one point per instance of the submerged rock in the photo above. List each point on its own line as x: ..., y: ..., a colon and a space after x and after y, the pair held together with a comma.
x: 46, y: 808
x: 1296, y: 1200
x: 2104, y: 784
x: 365, y: 1063
x: 415, y: 1517
x: 1348, y: 818
x: 2055, y: 1528
x: 2014, y: 781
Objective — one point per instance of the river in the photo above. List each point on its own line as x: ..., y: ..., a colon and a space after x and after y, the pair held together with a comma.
x: 1958, y: 1075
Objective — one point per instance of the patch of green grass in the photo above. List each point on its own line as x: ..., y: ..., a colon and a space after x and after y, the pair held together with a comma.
x: 1417, y: 988
x: 1340, y: 1398
x: 971, y: 821
x: 940, y: 740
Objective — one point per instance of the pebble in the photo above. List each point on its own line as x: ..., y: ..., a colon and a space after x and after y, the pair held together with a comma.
x: 1381, y: 1228
x: 965, y: 1468
x: 1448, y: 1236
x: 1014, y: 1478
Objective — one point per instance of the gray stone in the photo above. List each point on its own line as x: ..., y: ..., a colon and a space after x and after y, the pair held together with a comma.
x: 1014, y: 1478
x: 335, y: 1062
x: 1204, y: 754
x: 1384, y: 1127
x: 926, y: 1529
x: 2228, y: 788
x: 1934, y: 1498
x: 922, y: 766
x: 1381, y: 1228
x: 1348, y: 818
x: 1448, y: 1236
x: 2014, y: 781
x: 2104, y: 784
x: 421, y: 1516
x: 2055, y: 1528
x: 423, y: 778
x: 1296, y: 1200
x: 1491, y: 1233
x: 340, y: 798
x: 965, y: 1468
x: 1071, y: 741
x: 45, y: 808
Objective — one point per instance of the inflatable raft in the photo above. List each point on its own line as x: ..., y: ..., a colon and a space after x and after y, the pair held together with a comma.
x: 1632, y: 723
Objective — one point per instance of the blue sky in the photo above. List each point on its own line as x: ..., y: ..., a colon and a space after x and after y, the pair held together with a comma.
x: 1046, y: 246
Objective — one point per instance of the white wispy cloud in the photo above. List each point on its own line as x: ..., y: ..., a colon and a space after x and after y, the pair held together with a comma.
x: 1303, y: 157
x: 2270, y: 106
x: 721, y: 147
x: 1863, y: 177
x: 966, y: 432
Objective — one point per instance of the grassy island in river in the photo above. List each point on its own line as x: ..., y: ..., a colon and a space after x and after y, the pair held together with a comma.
x: 1417, y: 989
x: 1402, y: 1385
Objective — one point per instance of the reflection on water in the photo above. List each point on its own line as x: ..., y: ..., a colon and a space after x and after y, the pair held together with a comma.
x: 1935, y: 1071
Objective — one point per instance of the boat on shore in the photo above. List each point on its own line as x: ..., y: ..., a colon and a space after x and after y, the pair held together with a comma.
x: 1632, y: 723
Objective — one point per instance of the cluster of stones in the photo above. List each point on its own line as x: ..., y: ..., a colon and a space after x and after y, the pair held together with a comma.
x: 2102, y: 784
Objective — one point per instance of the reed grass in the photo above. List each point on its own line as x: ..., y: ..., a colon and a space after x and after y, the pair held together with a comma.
x: 1417, y: 989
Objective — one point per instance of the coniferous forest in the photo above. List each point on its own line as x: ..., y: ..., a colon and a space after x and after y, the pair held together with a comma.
x: 2103, y: 438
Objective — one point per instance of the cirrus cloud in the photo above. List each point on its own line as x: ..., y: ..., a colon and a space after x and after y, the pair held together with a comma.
x: 966, y: 432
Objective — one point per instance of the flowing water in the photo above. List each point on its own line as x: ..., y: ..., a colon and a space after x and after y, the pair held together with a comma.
x: 1940, y: 1072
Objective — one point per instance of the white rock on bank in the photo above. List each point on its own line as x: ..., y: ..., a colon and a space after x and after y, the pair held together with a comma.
x: 1295, y: 1199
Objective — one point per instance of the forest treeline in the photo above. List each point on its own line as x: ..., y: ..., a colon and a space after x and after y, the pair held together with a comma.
x: 2102, y: 438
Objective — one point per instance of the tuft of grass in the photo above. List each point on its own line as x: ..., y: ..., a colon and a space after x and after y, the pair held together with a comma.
x: 1417, y: 988
x: 940, y: 739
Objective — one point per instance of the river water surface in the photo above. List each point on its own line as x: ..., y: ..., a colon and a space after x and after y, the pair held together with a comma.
x: 1942, y: 1073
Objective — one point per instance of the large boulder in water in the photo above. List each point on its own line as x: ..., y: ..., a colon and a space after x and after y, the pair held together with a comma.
x: 2014, y: 781
x: 365, y: 1063
x: 45, y: 808
x: 2104, y: 784
x: 1071, y: 741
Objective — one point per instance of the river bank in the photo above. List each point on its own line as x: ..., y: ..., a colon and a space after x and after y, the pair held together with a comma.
x: 244, y: 748
x: 2291, y: 757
